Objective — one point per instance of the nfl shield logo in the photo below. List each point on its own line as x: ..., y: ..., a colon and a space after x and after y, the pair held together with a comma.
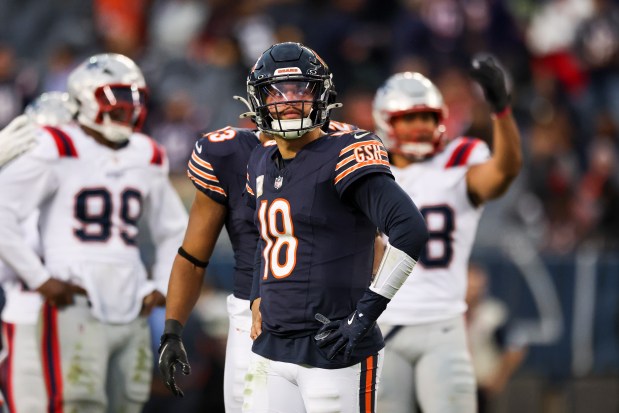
x: 278, y: 182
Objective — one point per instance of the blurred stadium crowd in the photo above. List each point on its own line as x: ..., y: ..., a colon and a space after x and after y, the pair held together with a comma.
x: 560, y: 220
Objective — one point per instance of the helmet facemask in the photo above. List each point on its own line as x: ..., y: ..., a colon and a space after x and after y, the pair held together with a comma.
x: 421, y: 143
x: 290, y: 107
x: 122, y: 111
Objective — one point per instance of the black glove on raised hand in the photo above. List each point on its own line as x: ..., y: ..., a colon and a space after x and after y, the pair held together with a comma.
x: 345, y: 334
x: 172, y: 352
x: 486, y: 71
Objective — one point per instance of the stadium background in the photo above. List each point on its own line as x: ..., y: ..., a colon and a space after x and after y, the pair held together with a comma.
x: 550, y: 245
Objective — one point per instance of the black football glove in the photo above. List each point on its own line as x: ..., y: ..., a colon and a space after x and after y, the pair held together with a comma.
x: 172, y: 352
x: 345, y: 334
x: 486, y: 71
x: 342, y: 334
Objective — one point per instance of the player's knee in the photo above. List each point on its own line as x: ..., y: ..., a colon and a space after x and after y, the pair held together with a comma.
x: 460, y: 376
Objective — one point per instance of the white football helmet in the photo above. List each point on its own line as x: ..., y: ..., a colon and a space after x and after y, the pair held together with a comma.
x: 111, y: 95
x: 405, y: 93
x: 51, y: 108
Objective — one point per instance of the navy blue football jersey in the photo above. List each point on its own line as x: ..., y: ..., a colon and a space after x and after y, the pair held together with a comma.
x: 218, y: 168
x: 316, y: 248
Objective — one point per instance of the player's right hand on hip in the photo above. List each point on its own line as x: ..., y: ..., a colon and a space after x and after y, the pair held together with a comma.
x: 345, y: 334
x: 59, y: 293
x: 17, y: 137
x: 171, y: 353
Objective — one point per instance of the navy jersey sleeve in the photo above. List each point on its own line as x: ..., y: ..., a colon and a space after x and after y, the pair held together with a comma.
x: 392, y: 211
x: 362, y: 153
x: 202, y: 170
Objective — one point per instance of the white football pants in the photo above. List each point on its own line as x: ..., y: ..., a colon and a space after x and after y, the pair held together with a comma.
x: 279, y: 387
x: 430, y: 362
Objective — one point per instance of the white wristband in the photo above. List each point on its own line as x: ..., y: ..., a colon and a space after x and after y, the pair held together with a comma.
x: 394, y: 269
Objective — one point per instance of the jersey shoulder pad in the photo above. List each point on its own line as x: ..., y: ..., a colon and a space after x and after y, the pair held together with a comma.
x: 150, y: 151
x: 54, y: 143
x: 225, y: 141
x: 335, y: 126
x: 465, y: 151
x: 358, y: 137
x: 360, y: 153
x: 217, y: 157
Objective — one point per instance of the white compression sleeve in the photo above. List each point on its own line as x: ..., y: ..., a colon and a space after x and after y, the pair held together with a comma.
x: 394, y: 269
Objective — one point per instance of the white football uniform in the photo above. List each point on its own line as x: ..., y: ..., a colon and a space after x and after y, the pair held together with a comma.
x: 23, y: 387
x: 97, y: 352
x: 423, y: 325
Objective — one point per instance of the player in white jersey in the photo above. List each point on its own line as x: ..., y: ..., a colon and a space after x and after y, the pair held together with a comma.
x: 23, y: 385
x: 426, y: 352
x: 16, y: 138
x: 93, y: 180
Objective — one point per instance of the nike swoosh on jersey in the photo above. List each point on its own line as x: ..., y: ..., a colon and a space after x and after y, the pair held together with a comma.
x: 361, y: 135
x: 199, y: 148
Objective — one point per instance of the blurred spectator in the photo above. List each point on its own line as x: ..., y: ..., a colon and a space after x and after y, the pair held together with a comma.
x: 174, y: 24
x: 550, y: 37
x: 598, y: 196
x: 597, y: 46
x: 62, y: 60
x: 176, y: 128
x: 16, y: 87
x: 219, y: 76
x: 496, y: 355
x: 121, y: 25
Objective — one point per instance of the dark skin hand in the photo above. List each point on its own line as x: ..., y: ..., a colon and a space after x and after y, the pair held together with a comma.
x: 152, y: 300
x: 59, y: 293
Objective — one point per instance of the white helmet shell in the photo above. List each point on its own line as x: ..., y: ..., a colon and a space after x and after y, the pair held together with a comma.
x: 403, y: 93
x: 110, y: 91
x: 51, y: 108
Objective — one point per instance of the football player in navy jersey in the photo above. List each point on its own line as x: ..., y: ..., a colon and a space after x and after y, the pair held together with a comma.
x: 318, y: 199
x: 218, y: 169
